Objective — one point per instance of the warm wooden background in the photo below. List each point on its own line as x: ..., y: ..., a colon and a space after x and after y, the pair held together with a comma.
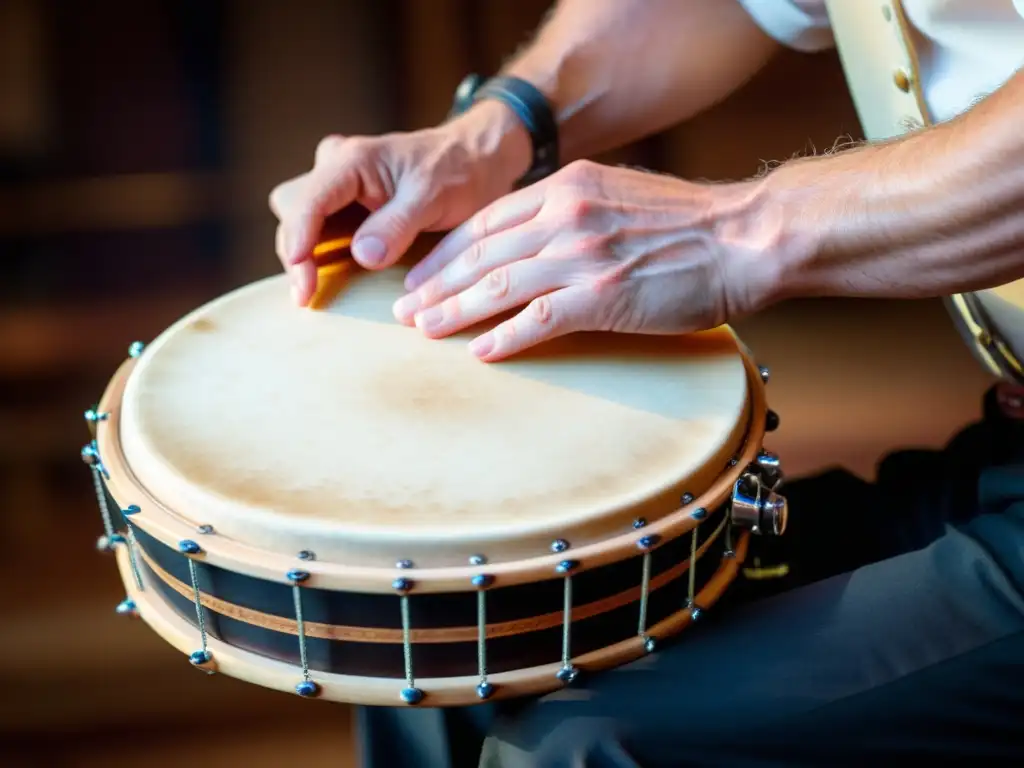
x: 138, y: 142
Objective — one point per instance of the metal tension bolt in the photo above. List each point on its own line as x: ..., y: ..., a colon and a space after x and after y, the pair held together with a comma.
x: 757, y: 507
x: 768, y: 467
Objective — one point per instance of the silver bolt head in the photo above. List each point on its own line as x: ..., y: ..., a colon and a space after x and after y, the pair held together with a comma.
x: 90, y: 456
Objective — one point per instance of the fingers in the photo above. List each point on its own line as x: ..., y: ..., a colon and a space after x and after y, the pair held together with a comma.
x: 304, y: 282
x: 472, y: 266
x: 303, y: 274
x: 510, y: 211
x: 301, y: 206
x: 389, y: 232
x: 304, y: 203
x: 547, y: 317
x: 500, y: 290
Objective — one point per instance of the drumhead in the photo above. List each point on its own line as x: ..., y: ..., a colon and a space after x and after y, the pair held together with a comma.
x: 342, y: 432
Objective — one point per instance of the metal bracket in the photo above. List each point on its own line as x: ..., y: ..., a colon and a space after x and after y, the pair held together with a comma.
x: 755, y: 506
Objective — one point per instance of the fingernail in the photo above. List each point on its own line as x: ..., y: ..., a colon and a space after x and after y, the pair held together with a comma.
x: 406, y: 306
x: 430, y: 318
x: 412, y: 280
x: 481, y: 346
x: 369, y: 250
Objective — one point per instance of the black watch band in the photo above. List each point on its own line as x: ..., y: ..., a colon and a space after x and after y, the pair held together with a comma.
x: 529, y: 105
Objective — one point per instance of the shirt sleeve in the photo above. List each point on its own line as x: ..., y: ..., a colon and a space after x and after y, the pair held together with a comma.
x: 799, y: 24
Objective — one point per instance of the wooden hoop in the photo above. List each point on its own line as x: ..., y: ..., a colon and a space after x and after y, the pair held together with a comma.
x: 171, y: 528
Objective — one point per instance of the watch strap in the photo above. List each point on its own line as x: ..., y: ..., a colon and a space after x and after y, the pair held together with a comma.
x: 529, y: 105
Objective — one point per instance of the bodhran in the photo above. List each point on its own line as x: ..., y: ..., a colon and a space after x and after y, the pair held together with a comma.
x: 324, y: 502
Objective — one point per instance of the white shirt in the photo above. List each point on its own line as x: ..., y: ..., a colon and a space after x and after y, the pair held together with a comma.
x: 966, y: 48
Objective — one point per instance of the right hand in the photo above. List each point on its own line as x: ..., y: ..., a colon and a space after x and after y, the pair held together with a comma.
x: 424, y: 181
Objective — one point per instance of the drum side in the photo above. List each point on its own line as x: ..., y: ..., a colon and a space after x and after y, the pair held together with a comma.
x: 352, y: 633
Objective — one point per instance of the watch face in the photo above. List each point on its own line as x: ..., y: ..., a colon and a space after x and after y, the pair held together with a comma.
x: 465, y: 92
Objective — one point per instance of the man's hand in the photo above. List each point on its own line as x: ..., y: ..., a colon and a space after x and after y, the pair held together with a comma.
x: 424, y: 181
x: 596, y: 248
x: 434, y: 179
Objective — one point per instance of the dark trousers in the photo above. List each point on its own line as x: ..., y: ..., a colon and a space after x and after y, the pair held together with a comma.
x: 898, y: 633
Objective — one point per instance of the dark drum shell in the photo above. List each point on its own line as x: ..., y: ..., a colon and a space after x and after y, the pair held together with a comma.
x: 360, y: 634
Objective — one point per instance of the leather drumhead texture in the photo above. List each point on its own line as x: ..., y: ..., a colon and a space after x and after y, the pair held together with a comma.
x: 341, y: 431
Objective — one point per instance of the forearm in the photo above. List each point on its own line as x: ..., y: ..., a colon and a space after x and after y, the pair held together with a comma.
x: 618, y: 70
x: 930, y: 214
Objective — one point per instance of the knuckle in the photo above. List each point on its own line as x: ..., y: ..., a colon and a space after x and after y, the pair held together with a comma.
x: 474, y: 256
x: 300, y: 198
x: 541, y: 310
x: 335, y: 149
x: 571, y: 206
x: 578, y: 171
x: 430, y: 292
x: 280, y: 198
x: 479, y: 226
x: 451, y: 309
x: 497, y: 283
x: 274, y: 200
x: 506, y: 334
x: 578, y: 209
x: 329, y: 147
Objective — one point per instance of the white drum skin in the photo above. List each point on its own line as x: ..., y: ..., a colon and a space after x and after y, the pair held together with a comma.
x: 341, y: 431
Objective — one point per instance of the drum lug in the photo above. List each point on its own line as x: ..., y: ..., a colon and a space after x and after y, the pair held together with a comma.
x: 757, y: 507
x: 203, y: 660
x: 768, y: 467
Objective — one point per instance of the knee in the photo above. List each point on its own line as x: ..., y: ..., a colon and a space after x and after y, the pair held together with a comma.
x: 545, y: 740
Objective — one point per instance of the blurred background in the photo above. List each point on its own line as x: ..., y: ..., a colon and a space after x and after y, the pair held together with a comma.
x: 139, y: 140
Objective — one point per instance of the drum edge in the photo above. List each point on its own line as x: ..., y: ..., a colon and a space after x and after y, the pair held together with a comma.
x: 168, y: 527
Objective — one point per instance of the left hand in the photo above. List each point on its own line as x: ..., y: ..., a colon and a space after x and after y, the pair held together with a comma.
x: 590, y: 248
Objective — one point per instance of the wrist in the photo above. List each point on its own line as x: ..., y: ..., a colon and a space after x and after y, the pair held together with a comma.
x: 749, y: 229
x: 492, y: 134
x: 816, y: 218
x: 846, y: 222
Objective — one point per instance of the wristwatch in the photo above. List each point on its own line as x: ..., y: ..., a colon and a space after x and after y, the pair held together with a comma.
x: 529, y: 105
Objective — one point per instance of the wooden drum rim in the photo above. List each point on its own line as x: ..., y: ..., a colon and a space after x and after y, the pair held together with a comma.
x: 377, y: 691
x: 172, y: 528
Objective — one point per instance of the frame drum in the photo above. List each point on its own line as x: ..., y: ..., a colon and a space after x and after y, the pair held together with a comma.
x: 325, y: 502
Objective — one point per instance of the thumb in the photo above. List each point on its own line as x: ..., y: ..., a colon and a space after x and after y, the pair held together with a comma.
x: 389, y: 231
